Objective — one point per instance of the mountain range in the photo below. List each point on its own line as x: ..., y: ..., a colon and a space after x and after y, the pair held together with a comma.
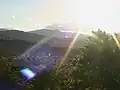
x: 58, y: 38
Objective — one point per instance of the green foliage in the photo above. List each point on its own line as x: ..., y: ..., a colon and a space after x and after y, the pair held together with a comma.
x: 94, y: 67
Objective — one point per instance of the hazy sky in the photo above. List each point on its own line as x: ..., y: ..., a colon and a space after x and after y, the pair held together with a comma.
x: 85, y: 14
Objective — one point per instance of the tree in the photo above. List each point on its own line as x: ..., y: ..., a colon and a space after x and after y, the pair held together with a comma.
x: 94, y: 66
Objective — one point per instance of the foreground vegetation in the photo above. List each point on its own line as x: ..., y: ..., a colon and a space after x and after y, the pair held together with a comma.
x: 94, y: 67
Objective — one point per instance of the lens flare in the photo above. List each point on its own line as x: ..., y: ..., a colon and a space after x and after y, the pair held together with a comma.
x: 36, y: 46
x: 69, y: 48
x: 116, y: 40
x: 28, y: 73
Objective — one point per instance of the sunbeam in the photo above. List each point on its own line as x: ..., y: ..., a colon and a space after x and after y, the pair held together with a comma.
x: 69, y: 48
x: 116, y: 40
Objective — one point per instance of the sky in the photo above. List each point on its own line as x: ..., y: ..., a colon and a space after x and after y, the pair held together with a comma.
x: 85, y: 15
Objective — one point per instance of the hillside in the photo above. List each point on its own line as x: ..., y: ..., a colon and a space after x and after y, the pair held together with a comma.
x: 20, y: 35
x: 62, y: 39
x: 59, y: 39
x: 56, y: 33
x: 53, y: 33
x: 44, y: 32
x: 9, y: 47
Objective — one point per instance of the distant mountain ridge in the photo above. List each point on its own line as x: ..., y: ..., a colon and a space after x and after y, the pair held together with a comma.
x: 62, y: 39
x: 59, y: 39
x: 20, y: 35
x: 56, y: 33
x: 3, y: 29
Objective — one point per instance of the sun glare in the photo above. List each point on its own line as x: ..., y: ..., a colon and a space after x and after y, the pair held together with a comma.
x: 69, y: 48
